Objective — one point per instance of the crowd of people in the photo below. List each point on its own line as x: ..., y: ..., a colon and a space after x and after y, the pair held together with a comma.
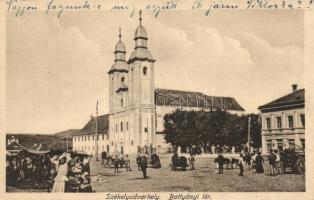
x: 56, y: 172
x: 246, y: 161
x: 70, y: 172
x: 251, y: 161
x: 25, y: 167
x: 274, y: 159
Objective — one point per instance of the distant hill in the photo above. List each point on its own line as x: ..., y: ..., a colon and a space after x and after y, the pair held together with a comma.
x: 68, y: 133
x: 47, y: 141
x: 58, y: 140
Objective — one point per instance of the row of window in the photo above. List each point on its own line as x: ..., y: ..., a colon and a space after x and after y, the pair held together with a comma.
x: 88, y: 148
x: 123, y: 78
x: 132, y: 143
x: 90, y: 137
x: 92, y: 147
x: 121, y: 127
x: 279, y: 122
x: 144, y: 70
x: 291, y: 144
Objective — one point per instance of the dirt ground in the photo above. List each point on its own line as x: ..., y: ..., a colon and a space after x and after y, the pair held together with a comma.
x: 203, y: 179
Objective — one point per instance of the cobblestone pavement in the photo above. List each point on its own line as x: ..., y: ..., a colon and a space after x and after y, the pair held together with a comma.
x: 203, y: 179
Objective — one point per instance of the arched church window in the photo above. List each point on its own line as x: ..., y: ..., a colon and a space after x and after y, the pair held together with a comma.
x: 144, y: 71
x: 121, y: 126
x: 121, y: 102
x: 122, y: 79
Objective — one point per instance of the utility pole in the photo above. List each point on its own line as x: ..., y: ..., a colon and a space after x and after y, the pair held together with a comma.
x: 96, y: 133
x: 249, y: 134
x: 67, y: 143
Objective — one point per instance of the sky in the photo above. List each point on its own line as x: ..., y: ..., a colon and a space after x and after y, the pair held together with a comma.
x: 57, y: 67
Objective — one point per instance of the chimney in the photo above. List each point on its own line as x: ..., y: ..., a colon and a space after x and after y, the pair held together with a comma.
x: 294, y: 87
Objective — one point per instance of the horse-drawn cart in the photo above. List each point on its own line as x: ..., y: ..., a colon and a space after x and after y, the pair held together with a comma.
x: 292, y: 160
x: 110, y: 162
x: 179, y: 162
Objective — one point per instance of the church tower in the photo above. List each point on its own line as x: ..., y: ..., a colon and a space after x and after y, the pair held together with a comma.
x: 141, y: 91
x: 118, y: 78
x: 118, y: 96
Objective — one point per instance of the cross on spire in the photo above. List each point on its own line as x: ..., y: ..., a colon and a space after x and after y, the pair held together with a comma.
x: 119, y: 33
x: 140, y: 18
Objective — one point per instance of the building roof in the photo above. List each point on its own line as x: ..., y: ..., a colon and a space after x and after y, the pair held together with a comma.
x: 103, y: 126
x: 120, y: 47
x: 167, y: 97
x: 119, y: 66
x: 140, y: 32
x: 289, y: 101
x: 141, y: 54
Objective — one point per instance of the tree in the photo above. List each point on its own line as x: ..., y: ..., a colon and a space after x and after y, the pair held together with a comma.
x: 256, y: 137
x: 206, y: 128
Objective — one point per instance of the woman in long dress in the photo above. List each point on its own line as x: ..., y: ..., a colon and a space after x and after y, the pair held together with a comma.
x: 62, y: 172
x: 259, y: 163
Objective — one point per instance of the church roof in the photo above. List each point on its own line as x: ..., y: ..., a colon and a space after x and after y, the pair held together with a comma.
x: 120, y: 47
x: 102, y: 126
x: 168, y: 97
x: 140, y: 32
x: 294, y: 99
x: 141, y: 54
x: 119, y: 66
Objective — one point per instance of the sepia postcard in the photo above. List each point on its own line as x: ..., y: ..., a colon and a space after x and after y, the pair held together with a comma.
x: 176, y: 100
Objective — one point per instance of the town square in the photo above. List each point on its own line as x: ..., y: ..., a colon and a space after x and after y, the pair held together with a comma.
x: 147, y: 104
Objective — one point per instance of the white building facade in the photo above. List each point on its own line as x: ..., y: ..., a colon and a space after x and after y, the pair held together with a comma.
x: 283, y: 122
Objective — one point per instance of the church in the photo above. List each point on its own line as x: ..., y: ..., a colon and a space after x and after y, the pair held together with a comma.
x: 136, y: 107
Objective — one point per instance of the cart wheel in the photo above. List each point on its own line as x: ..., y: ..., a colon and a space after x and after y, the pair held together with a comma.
x: 300, y: 167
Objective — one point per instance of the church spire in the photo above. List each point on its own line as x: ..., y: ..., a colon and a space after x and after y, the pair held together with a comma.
x: 140, y: 35
x: 119, y: 34
x: 119, y: 53
x: 120, y: 49
x: 141, y: 51
x: 140, y: 17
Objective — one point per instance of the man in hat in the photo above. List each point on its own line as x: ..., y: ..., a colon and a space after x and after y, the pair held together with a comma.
x: 144, y: 166
x: 241, y: 163
x: 272, y: 163
x: 138, y: 162
x: 116, y: 163
x: 220, y: 160
x: 127, y: 163
x: 174, y: 160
